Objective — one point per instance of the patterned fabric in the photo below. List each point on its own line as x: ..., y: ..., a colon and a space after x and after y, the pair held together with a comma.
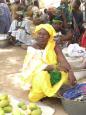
x: 75, y: 92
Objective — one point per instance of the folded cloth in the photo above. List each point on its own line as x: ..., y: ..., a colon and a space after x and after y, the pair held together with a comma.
x: 75, y: 92
x: 74, y: 50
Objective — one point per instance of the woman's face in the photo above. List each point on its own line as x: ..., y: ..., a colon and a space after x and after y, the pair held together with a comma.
x: 42, y: 37
x: 57, y: 26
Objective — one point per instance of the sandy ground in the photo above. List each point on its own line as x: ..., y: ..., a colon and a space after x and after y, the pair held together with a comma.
x: 11, y: 60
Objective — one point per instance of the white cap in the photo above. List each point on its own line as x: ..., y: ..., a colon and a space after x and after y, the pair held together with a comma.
x: 19, y: 12
x: 13, y: 1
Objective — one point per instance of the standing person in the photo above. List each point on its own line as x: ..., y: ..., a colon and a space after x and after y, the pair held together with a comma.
x: 77, y: 20
x: 5, y: 17
x: 43, y: 56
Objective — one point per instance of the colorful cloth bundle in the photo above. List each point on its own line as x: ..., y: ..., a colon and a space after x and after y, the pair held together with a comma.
x: 75, y: 92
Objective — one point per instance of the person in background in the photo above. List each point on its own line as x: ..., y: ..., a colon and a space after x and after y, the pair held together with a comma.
x: 5, y: 17
x: 45, y: 55
x: 20, y: 29
x: 45, y: 16
x: 66, y: 10
x: 35, y: 9
x: 57, y: 23
x: 57, y: 13
x: 63, y: 37
x: 15, y: 6
x: 77, y: 20
x: 51, y: 14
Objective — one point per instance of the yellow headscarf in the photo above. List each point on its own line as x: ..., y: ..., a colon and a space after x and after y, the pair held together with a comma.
x: 49, y: 54
x: 48, y: 28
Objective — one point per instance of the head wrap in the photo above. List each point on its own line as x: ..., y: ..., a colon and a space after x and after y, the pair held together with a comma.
x: 57, y: 19
x: 78, y: 2
x: 48, y: 28
x: 49, y: 49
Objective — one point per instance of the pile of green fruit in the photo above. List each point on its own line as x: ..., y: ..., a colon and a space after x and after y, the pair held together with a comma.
x: 21, y: 109
x: 32, y: 108
x: 5, y: 106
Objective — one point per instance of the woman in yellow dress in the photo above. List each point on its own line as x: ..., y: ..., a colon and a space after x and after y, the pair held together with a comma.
x: 44, y: 55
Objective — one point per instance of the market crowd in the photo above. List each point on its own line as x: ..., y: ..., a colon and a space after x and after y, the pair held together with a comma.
x: 44, y: 33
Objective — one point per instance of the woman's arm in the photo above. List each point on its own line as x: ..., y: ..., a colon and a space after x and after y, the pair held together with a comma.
x: 64, y: 65
x: 61, y: 58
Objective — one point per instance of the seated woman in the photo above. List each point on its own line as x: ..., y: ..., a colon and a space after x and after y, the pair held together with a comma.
x: 42, y: 57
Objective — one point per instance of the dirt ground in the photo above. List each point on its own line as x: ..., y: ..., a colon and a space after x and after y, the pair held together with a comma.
x: 11, y: 60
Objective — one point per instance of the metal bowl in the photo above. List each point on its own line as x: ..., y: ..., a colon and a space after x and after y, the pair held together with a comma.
x: 74, y: 107
x: 4, y: 41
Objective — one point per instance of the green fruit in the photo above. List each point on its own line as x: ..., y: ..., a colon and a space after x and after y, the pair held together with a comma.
x: 32, y: 106
x: 24, y: 107
x: 2, y: 111
x: 36, y: 112
x: 20, y: 104
x: 4, y: 97
x: 7, y: 109
x: 4, y: 103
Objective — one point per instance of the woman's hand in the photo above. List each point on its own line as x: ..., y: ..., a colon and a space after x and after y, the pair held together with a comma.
x: 53, y: 67
x: 71, y: 77
x: 50, y: 67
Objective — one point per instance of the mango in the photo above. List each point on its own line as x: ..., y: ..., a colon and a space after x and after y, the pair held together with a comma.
x: 4, y: 103
x: 2, y: 111
x: 32, y: 106
x: 3, y: 97
x: 7, y: 109
x: 24, y: 107
x: 20, y: 104
x: 36, y: 112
